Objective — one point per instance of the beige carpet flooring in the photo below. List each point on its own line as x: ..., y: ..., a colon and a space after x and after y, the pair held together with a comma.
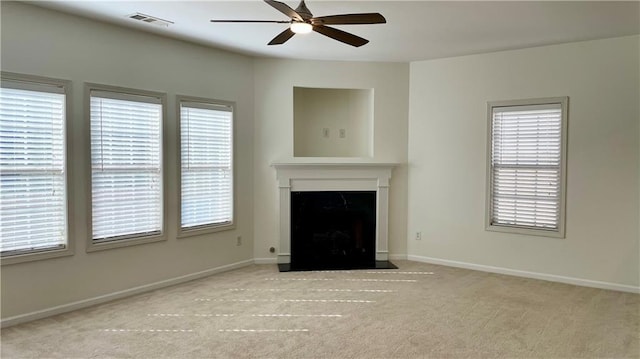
x: 416, y: 311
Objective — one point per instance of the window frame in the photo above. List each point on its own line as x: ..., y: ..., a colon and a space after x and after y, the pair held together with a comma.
x: 517, y: 229
x: 131, y: 240
x: 210, y: 228
x: 25, y: 81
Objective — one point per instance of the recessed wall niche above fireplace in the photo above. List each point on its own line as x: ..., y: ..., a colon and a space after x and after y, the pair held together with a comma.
x: 332, y: 122
x: 333, y: 215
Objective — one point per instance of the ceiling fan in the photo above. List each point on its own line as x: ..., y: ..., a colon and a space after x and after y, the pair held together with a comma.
x: 302, y: 21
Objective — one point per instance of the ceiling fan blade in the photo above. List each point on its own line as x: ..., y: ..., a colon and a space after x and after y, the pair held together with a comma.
x: 282, y: 37
x: 350, y: 19
x: 258, y: 21
x: 285, y: 9
x: 342, y: 36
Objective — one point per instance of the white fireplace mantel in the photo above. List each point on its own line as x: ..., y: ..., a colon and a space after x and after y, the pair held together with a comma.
x: 334, y: 176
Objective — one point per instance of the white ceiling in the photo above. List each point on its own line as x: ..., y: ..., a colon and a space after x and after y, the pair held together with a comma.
x: 415, y: 30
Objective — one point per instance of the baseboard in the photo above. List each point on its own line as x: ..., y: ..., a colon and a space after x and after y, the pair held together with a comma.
x: 534, y: 275
x: 23, y: 318
x: 265, y: 260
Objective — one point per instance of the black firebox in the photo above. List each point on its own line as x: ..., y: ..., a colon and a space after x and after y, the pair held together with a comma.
x: 333, y: 230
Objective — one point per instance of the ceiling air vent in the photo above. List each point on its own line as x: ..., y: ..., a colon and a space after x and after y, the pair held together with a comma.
x: 150, y: 19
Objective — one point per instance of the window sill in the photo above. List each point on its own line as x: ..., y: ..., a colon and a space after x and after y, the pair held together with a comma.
x: 526, y: 231
x: 36, y: 256
x: 120, y: 243
x: 198, y: 231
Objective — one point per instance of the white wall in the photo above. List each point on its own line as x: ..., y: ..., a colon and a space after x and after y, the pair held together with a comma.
x: 274, y: 82
x: 447, y: 164
x: 46, y: 43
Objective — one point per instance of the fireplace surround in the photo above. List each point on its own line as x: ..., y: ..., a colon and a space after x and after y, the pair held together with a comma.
x: 296, y: 177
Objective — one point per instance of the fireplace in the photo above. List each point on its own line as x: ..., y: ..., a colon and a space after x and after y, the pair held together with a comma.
x: 333, y: 230
x: 344, y: 235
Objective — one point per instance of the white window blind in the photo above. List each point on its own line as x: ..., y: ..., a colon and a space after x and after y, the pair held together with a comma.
x: 206, y: 164
x: 526, y: 168
x: 33, y: 211
x: 126, y: 172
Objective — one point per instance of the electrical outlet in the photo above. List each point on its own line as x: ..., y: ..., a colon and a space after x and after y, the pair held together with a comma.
x: 343, y: 133
x: 239, y: 241
x: 418, y: 236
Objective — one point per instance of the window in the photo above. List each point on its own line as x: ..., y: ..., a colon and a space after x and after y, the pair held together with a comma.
x: 206, y: 152
x: 526, y: 167
x: 126, y: 165
x: 33, y: 168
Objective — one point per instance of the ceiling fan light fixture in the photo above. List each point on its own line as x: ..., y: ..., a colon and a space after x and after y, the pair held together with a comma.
x: 301, y: 27
x: 302, y: 21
